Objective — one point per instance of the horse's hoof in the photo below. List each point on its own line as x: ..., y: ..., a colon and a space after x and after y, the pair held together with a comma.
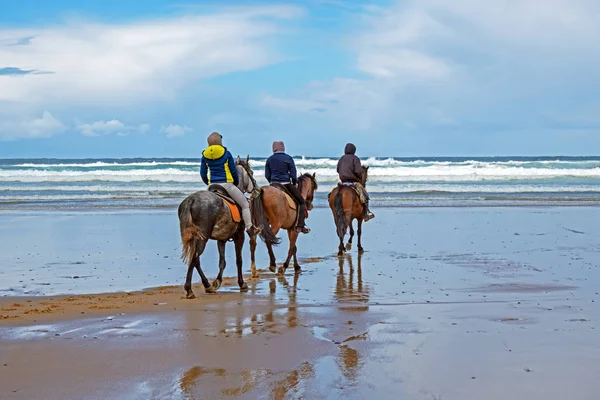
x: 348, y: 246
x: 210, y: 290
x: 244, y: 287
x: 297, y: 269
x: 216, y: 284
x: 281, y: 271
x: 272, y: 268
x: 361, y: 250
x: 190, y: 295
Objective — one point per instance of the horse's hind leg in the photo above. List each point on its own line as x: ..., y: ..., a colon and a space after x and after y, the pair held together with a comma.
x: 349, y: 244
x: 222, y: 263
x: 359, y: 231
x: 272, y: 264
x: 341, y: 248
x: 188, y: 279
x: 200, y: 250
x: 293, y: 236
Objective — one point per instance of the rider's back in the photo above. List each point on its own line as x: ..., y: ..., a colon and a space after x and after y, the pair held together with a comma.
x: 218, y: 165
x: 280, y: 168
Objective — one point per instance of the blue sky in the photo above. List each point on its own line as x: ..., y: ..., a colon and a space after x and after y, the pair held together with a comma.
x: 397, y: 78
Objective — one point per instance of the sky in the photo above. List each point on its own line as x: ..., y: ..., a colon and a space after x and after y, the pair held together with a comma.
x: 153, y: 78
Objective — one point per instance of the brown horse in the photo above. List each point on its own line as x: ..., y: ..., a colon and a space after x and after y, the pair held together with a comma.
x: 271, y: 212
x: 346, y: 207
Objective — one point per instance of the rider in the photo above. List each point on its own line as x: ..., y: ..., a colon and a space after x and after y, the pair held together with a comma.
x: 350, y: 171
x: 280, y: 168
x: 219, y: 167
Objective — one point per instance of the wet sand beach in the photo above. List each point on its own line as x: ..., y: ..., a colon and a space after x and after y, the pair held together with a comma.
x: 446, y: 303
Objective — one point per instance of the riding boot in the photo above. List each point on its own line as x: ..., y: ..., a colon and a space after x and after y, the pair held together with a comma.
x: 300, y: 227
x: 368, y: 214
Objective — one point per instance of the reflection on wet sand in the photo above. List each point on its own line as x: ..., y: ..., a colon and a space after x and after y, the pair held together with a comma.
x: 345, y: 290
x: 235, y: 384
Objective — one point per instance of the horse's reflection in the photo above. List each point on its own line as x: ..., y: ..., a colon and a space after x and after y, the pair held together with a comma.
x: 347, y: 289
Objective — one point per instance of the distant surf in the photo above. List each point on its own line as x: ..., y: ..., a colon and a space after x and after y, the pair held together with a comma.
x: 160, y: 182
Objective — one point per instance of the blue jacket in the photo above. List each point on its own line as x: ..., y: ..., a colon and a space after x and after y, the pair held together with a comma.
x: 280, y: 168
x: 218, y: 166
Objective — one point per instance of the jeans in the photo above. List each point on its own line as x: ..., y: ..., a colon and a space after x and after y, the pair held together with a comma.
x: 236, y: 194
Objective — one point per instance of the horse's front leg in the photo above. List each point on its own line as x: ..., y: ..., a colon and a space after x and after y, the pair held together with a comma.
x: 222, y: 263
x: 253, y: 271
x: 293, y: 235
x: 239, y: 245
x: 296, y: 265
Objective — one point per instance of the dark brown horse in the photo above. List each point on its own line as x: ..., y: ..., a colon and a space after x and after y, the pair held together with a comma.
x: 346, y: 207
x: 271, y: 212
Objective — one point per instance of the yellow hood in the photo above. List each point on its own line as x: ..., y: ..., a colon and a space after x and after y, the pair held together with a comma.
x: 214, y: 152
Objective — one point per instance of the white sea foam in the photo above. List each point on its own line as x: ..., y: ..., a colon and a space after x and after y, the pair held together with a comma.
x: 466, y: 173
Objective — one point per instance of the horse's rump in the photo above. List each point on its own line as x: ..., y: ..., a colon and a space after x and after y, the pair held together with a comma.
x: 358, y: 188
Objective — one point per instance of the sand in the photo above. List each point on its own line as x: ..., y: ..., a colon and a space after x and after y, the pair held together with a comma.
x: 454, y: 303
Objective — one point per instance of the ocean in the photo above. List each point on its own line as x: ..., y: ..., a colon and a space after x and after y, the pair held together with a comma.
x: 56, y: 184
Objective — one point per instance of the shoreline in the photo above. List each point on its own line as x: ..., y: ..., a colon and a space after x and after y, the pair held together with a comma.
x: 126, y: 209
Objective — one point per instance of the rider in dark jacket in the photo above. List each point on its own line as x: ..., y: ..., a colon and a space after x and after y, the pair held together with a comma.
x: 280, y: 168
x: 349, y: 170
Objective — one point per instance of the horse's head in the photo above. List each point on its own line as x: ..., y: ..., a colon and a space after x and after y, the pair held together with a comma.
x: 365, y: 175
x: 307, y: 185
x: 247, y: 183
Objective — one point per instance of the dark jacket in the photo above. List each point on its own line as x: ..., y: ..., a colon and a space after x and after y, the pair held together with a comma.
x: 280, y: 168
x: 349, y: 168
x: 218, y: 166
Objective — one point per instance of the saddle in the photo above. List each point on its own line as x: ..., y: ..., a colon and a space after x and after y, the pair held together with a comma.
x: 236, y: 211
x: 290, y: 199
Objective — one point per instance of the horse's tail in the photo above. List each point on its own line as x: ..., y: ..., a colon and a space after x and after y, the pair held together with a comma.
x: 190, y: 233
x: 341, y: 222
x: 259, y: 219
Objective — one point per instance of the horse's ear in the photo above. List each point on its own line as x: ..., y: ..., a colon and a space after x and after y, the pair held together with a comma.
x: 367, y: 167
x: 238, y: 159
x: 314, y: 175
x: 248, y: 159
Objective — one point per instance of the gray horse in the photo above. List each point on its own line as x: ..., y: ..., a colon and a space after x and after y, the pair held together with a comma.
x: 203, y: 215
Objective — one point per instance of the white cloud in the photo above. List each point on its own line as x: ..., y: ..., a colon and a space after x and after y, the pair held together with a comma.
x: 441, y: 63
x: 45, y: 126
x: 94, y: 63
x: 175, y: 130
x: 112, y: 127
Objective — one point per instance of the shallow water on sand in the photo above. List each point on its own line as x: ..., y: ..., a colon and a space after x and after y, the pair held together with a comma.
x: 445, y: 304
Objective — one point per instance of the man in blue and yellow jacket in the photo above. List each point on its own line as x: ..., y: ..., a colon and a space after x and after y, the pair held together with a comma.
x: 218, y: 166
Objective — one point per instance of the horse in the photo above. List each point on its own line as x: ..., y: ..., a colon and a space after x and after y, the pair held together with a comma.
x: 271, y: 212
x: 345, y: 206
x: 203, y: 215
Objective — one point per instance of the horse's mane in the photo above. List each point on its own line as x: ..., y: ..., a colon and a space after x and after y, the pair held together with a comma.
x: 302, y: 178
x: 365, y: 173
